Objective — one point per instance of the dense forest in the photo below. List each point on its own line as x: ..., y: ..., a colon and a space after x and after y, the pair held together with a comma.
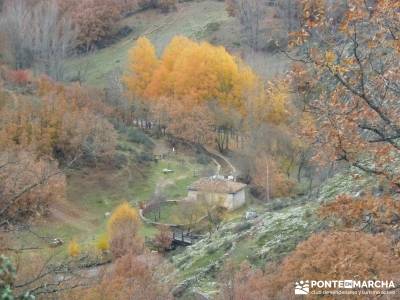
x: 126, y: 126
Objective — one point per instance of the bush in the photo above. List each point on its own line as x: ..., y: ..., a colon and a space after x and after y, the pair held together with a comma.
x: 211, y: 249
x: 163, y: 239
x: 102, y: 243
x: 278, y: 204
x: 7, y: 277
x: 122, y: 229
x: 203, y: 159
x: 119, y: 160
x: 167, y: 5
x: 73, y: 248
x: 139, y: 137
x: 144, y: 157
x: 242, y: 227
x: 119, y: 125
x: 227, y: 245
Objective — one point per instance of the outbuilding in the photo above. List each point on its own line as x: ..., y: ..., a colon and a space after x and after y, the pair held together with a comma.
x: 227, y: 193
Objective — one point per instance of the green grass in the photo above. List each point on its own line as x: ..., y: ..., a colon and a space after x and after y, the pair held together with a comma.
x: 175, y: 183
x: 192, y: 19
x: 244, y: 249
x: 202, y: 262
x: 98, y: 199
x: 93, y: 192
x: 179, y: 188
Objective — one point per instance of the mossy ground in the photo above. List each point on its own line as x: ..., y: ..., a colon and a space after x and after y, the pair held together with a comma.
x: 268, y: 238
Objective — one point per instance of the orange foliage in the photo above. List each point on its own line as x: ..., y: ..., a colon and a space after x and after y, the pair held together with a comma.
x: 357, y: 114
x: 267, y: 177
x: 189, y: 70
x: 188, y: 79
x: 28, y: 185
x: 377, y: 213
x: 64, y: 122
x: 132, y: 277
x: 325, y: 256
x: 95, y: 19
x: 142, y: 64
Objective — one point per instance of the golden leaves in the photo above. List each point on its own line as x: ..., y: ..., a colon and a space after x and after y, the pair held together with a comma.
x: 142, y: 64
x: 330, y: 57
x: 124, y: 213
x: 198, y: 72
x: 73, y: 248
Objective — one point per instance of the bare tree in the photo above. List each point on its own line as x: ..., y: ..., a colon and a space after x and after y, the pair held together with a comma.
x: 38, y: 37
x: 13, y: 25
x: 289, y: 12
x: 52, y: 38
x: 250, y: 14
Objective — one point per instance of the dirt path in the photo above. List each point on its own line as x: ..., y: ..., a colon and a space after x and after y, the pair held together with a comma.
x: 226, y: 168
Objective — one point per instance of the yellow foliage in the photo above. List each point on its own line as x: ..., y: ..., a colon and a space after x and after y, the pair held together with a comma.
x: 123, y: 214
x: 102, y: 243
x: 197, y: 71
x: 330, y: 57
x: 142, y: 64
x: 271, y: 106
x: 278, y: 101
x: 73, y: 248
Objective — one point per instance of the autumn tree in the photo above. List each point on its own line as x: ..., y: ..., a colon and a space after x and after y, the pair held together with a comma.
x: 367, y: 213
x: 163, y: 238
x: 272, y: 149
x: 349, y: 79
x: 251, y: 14
x: 324, y: 256
x: 122, y: 230
x: 73, y: 248
x: 27, y: 185
x: 94, y: 19
x: 188, y: 78
x: 63, y: 123
x: 183, y: 118
x: 143, y: 62
x: 132, y: 277
x: 27, y: 274
x: 102, y: 243
x: 268, y: 178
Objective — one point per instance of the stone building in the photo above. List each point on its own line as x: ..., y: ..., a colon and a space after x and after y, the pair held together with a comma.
x: 227, y: 193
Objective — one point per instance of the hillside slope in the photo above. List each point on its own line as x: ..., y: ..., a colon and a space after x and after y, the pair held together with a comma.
x: 192, y: 19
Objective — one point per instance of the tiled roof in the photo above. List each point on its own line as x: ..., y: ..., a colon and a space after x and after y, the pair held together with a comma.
x: 217, y: 186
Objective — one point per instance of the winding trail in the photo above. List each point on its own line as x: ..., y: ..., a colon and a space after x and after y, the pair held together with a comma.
x: 225, y: 167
